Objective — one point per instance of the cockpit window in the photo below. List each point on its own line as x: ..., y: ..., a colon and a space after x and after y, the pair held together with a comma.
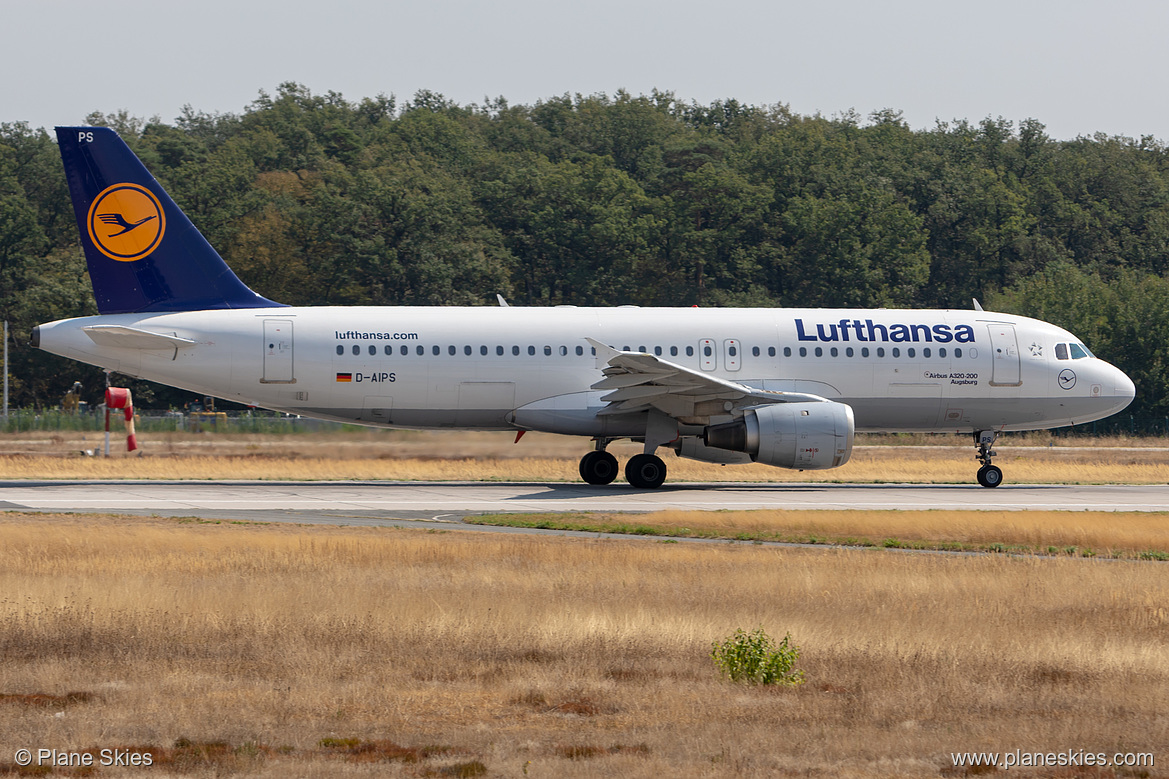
x: 1079, y: 351
x: 1061, y: 351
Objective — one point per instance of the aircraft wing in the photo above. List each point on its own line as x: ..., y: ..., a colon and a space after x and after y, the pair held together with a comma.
x: 641, y: 381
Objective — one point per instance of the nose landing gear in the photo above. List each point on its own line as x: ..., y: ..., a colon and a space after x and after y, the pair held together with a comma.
x: 988, y: 475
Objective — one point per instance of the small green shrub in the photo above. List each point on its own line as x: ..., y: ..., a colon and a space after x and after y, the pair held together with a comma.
x: 755, y: 658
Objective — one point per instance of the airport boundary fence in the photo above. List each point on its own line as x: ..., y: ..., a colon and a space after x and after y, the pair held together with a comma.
x: 260, y: 422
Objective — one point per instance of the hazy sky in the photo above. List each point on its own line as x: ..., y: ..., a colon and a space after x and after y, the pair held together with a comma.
x: 1079, y: 67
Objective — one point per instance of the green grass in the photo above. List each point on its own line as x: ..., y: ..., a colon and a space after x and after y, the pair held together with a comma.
x: 606, y: 523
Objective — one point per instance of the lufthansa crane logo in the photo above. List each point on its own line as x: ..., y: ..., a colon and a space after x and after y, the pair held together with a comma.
x: 126, y: 222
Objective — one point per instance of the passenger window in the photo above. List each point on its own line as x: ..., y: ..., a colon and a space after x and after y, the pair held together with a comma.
x: 641, y: 349
x: 451, y: 350
x: 771, y: 351
x: 848, y: 352
x: 925, y: 352
x: 563, y: 351
x: 389, y: 350
x: 531, y: 351
x: 340, y: 349
x: 732, y: 351
x: 405, y: 350
x: 547, y: 351
x: 880, y: 351
x: 498, y: 351
x: 819, y: 352
x: 1061, y: 351
x: 941, y: 351
x: 673, y: 351
x: 689, y: 351
x: 754, y: 351
x: 896, y: 352
x: 658, y: 351
x: 422, y: 350
x: 483, y: 350
x: 958, y: 351
x: 911, y: 352
x: 579, y: 351
x: 356, y: 349
x: 835, y: 352
x: 706, y: 351
x: 864, y: 351
x: 787, y: 351
x: 515, y: 351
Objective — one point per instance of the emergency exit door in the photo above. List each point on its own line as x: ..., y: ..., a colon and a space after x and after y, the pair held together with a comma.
x: 278, y: 352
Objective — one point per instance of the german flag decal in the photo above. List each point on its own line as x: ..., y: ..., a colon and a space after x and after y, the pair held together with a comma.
x: 344, y: 377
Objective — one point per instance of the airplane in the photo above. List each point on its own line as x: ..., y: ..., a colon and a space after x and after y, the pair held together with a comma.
x: 785, y: 387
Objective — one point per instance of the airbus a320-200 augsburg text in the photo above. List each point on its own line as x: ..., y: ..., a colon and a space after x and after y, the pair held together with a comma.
x: 785, y: 387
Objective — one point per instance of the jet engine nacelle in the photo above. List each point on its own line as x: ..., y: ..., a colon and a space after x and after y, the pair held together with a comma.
x: 692, y: 448
x: 804, y: 436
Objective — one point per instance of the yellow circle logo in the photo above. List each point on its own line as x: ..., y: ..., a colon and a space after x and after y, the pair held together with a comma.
x: 126, y: 222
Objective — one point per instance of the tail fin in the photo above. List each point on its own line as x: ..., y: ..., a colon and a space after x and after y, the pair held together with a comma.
x: 143, y: 252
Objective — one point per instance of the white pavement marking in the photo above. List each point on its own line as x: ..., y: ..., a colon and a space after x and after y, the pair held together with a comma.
x: 478, y: 497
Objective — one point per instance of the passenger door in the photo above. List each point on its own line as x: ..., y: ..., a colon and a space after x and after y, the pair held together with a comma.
x: 1004, y: 348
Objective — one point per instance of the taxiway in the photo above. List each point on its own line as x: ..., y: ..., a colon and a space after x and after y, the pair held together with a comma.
x: 385, y: 503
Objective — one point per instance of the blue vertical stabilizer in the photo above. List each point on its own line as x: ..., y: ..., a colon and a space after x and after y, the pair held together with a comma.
x: 143, y: 252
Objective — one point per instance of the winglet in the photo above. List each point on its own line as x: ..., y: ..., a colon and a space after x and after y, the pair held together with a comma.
x: 604, y: 353
x: 977, y: 305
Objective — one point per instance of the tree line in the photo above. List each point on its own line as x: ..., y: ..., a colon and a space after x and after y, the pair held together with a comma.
x: 622, y: 199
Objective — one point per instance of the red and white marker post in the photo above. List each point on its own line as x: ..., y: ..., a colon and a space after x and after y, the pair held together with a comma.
x: 119, y: 398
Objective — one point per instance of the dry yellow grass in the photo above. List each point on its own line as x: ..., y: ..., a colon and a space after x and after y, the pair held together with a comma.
x: 942, y: 465
x: 561, y: 657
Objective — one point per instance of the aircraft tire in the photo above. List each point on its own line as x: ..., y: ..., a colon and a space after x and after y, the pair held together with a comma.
x: 598, y: 467
x: 990, y: 476
x: 645, y: 471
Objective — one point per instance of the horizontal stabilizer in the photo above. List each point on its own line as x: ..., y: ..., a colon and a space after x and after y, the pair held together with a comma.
x: 133, y: 338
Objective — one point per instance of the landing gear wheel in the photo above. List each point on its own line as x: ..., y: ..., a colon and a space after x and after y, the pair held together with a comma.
x: 990, y: 476
x: 645, y: 471
x: 598, y: 467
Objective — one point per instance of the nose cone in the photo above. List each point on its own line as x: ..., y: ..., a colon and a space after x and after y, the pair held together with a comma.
x: 1115, y: 389
x: 1124, y: 390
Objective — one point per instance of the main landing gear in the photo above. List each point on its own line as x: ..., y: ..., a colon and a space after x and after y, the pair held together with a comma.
x: 988, y: 475
x: 644, y: 471
x: 599, y: 467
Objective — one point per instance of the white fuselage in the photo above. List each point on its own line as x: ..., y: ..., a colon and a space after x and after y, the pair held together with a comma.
x: 531, y: 368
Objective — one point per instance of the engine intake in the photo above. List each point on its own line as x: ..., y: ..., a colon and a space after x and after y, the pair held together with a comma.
x: 804, y: 436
